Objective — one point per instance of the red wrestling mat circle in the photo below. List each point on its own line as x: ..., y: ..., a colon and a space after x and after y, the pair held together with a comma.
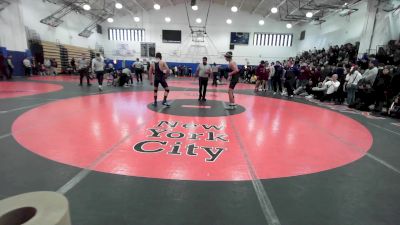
x: 19, y: 89
x: 118, y: 133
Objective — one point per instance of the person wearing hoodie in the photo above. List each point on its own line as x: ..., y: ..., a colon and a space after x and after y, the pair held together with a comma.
x: 365, y: 87
x: 277, y: 78
x: 382, y: 89
x: 262, y: 73
x: 290, y: 78
x: 304, y: 77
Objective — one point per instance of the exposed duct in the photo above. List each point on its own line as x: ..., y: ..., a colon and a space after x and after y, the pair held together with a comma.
x: 3, y: 4
x: 55, y: 18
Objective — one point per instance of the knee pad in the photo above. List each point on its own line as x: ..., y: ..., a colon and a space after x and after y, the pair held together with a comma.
x: 155, y: 90
x: 167, y: 90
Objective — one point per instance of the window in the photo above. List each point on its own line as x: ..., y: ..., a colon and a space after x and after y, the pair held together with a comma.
x: 267, y: 39
x: 115, y: 34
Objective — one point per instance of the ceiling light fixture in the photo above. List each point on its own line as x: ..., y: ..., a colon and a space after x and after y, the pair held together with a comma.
x: 167, y: 19
x: 261, y: 22
x: 198, y: 20
x: 289, y: 25
x: 136, y: 19
x: 86, y: 7
x: 195, y: 7
x: 229, y: 21
x: 157, y: 6
x: 274, y: 10
x: 110, y: 20
x: 118, y: 5
x: 234, y: 9
x: 309, y: 14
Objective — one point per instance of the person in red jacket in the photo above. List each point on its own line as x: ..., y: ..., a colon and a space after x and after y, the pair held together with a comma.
x: 304, y: 77
x: 262, y: 73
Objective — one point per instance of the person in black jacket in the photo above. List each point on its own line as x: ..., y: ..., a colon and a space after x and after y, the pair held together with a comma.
x: 381, y: 87
x: 3, y: 70
x: 277, y: 78
x: 290, y: 79
x: 73, y: 65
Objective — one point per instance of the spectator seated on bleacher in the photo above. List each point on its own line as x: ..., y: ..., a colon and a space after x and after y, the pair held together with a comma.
x: 365, y: 92
x: 382, y: 89
x: 305, y: 90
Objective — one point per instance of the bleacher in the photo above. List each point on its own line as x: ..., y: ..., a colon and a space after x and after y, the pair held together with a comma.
x: 64, y: 53
x: 52, y: 50
x: 76, y: 52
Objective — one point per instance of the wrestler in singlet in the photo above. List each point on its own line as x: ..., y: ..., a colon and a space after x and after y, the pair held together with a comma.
x: 159, y: 78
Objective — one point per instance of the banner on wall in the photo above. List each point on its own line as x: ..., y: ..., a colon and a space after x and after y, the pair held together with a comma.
x: 148, y: 49
x: 124, y: 50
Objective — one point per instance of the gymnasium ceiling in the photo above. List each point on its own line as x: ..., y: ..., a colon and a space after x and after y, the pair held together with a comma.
x: 289, y: 10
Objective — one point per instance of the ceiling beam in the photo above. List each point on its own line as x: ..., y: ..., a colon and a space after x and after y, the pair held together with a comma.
x: 138, y: 4
x: 300, y: 7
x: 258, y: 5
x: 3, y: 4
x: 126, y: 8
x: 269, y: 10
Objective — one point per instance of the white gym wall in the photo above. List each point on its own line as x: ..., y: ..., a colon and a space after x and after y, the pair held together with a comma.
x: 337, y: 30
x: 13, y: 35
x: 217, y: 29
x: 28, y: 13
x: 65, y: 33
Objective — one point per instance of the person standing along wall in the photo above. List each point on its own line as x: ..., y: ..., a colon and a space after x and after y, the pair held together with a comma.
x: 98, y: 69
x: 271, y: 74
x: 3, y: 70
x: 262, y: 76
x: 10, y: 66
x: 73, y: 65
x: 47, y: 65
x: 83, y: 69
x: 27, y: 66
x: 138, y: 70
x: 277, y: 78
x: 290, y: 79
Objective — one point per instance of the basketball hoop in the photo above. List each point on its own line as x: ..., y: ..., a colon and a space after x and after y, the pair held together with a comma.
x: 198, y: 36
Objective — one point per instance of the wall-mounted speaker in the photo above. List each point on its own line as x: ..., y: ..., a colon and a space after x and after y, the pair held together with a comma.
x: 99, y: 29
x: 303, y: 35
x: 231, y: 47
